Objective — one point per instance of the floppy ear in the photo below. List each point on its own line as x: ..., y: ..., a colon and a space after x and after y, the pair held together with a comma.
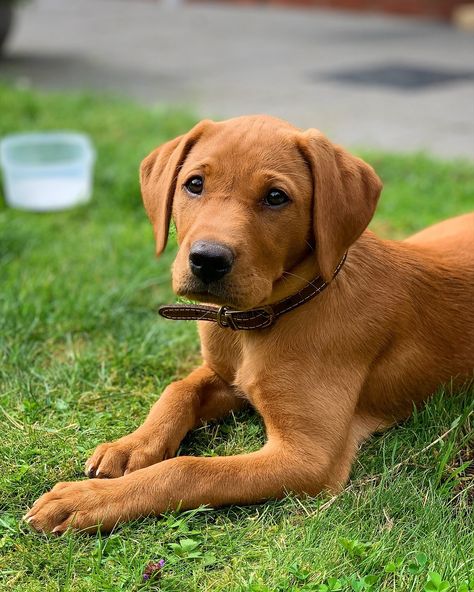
x: 158, y: 175
x: 346, y: 191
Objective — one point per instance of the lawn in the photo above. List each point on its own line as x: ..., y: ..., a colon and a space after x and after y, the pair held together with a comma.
x: 83, y: 355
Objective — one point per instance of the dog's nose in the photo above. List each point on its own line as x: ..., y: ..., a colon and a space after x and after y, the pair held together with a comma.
x: 210, y: 261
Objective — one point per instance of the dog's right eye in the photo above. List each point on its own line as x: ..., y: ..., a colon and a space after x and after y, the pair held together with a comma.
x: 276, y: 198
x: 194, y: 185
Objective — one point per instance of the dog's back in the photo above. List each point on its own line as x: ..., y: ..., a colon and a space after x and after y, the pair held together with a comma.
x: 450, y: 246
x: 453, y: 237
x: 429, y: 339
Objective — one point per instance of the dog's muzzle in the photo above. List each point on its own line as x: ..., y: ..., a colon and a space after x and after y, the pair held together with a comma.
x: 254, y: 318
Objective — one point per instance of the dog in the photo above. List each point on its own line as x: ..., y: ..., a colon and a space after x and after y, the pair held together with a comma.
x: 267, y: 214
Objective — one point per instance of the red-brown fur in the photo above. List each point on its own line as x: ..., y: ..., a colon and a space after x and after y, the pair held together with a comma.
x: 397, y: 322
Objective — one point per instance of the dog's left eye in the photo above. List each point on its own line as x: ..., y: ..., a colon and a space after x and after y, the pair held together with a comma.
x: 195, y: 185
x: 276, y: 198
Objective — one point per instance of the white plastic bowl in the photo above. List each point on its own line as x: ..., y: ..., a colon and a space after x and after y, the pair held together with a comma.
x: 47, y: 171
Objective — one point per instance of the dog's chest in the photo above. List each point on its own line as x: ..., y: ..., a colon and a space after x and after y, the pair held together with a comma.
x: 232, y: 355
x: 243, y: 359
x: 221, y: 350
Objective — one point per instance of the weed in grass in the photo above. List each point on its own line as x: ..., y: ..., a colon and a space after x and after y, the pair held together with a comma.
x: 467, y: 586
x: 298, y: 572
x: 418, y: 564
x: 435, y: 583
x: 355, y: 548
x: 154, y: 571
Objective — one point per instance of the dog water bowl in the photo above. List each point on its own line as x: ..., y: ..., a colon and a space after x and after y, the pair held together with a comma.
x: 47, y: 171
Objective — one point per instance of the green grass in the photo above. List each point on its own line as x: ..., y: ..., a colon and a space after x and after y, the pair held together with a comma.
x: 83, y: 355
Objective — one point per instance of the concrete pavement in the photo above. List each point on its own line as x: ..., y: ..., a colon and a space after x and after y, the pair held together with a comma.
x: 365, y: 80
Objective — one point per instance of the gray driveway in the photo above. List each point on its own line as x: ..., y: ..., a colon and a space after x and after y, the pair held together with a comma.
x: 365, y: 80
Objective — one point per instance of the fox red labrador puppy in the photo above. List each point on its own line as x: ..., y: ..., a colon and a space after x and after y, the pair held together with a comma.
x: 329, y: 332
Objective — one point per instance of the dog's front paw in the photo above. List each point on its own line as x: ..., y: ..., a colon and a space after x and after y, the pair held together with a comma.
x: 130, y: 453
x: 83, y: 505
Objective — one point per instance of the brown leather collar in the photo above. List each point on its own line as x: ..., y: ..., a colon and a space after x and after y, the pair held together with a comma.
x: 245, y: 320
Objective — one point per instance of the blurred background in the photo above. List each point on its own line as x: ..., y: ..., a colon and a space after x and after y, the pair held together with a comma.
x: 391, y: 74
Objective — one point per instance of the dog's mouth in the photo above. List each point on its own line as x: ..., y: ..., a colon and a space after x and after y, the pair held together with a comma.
x: 213, y: 293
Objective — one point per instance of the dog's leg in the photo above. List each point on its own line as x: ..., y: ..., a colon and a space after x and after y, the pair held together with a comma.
x: 303, y: 444
x: 184, y: 404
x: 182, y: 482
x: 362, y: 427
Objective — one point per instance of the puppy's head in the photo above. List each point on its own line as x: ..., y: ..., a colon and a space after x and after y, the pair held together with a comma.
x: 252, y: 197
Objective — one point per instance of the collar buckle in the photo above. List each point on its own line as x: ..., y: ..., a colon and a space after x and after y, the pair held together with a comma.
x: 224, y: 318
x: 264, y: 315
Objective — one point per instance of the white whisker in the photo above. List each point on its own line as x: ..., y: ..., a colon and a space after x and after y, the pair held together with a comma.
x: 299, y: 277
